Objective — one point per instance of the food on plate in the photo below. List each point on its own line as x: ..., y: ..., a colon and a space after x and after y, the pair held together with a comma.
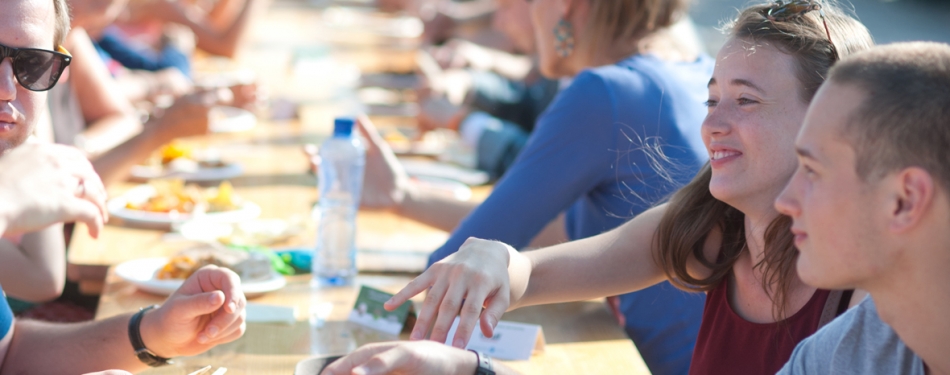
x: 174, y: 150
x: 178, y: 156
x: 250, y: 266
x: 174, y: 196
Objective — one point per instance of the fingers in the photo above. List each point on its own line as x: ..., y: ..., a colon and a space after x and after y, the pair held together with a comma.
x: 345, y: 365
x: 386, y: 362
x: 448, y: 310
x: 84, y: 211
x: 469, y: 316
x: 232, y: 312
x: 193, y: 306
x: 313, y: 153
x: 416, y: 286
x: 233, y: 334
x: 496, y: 307
x: 430, y: 306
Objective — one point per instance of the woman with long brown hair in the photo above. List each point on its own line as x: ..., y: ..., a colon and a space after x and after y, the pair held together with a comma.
x: 720, y: 234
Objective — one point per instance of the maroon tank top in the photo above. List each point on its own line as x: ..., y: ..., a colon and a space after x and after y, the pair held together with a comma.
x: 729, y: 344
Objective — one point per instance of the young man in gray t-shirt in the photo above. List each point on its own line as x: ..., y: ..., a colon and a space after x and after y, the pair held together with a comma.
x: 871, y: 209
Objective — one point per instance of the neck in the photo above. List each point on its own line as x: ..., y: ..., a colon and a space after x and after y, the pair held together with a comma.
x: 756, y: 223
x: 913, y: 300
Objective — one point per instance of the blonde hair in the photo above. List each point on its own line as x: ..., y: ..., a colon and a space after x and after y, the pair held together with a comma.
x: 61, y: 23
x: 622, y: 23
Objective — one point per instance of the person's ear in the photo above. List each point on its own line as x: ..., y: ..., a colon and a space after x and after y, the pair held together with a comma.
x: 912, y: 197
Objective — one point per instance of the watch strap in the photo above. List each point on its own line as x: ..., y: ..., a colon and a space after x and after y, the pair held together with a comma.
x: 135, y: 337
x: 485, y: 366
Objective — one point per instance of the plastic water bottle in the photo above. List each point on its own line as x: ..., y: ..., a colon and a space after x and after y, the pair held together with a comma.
x: 343, y: 158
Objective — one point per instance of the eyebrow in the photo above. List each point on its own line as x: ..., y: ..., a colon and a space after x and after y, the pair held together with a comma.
x: 739, y: 82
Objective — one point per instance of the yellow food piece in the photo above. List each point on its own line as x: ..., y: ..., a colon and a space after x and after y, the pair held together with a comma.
x: 174, y: 150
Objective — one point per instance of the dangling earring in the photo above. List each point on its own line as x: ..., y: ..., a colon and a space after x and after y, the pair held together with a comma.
x: 564, y: 38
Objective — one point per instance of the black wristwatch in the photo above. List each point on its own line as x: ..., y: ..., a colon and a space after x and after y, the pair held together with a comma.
x: 484, y: 364
x: 135, y: 336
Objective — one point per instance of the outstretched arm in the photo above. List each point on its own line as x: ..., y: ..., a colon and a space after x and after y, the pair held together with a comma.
x: 206, y: 311
x: 486, y: 278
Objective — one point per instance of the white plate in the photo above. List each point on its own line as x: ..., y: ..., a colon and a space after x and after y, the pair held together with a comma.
x: 230, y: 120
x: 230, y: 170
x: 258, y: 232
x: 141, y: 272
x: 142, y: 193
x: 428, y: 168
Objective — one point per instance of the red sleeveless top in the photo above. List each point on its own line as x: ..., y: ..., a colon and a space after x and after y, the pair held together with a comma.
x: 729, y: 344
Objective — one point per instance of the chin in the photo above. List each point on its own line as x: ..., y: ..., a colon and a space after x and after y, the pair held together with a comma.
x: 723, y: 191
x: 814, y: 276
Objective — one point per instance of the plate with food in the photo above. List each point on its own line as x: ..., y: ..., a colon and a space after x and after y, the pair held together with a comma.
x: 180, y: 161
x: 166, y: 202
x: 164, y: 276
x: 224, y: 119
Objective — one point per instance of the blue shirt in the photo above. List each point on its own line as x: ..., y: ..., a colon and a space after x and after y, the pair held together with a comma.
x: 6, y: 316
x: 591, y: 154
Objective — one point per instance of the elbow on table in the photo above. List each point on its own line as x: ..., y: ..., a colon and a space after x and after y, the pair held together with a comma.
x: 43, y: 291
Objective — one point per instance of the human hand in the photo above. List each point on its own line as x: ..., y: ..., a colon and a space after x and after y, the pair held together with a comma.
x: 188, y: 115
x: 419, y: 357
x: 179, y: 37
x: 110, y: 372
x: 43, y: 184
x: 439, y: 113
x: 385, y: 182
x: 473, y: 278
x: 207, y: 310
x: 249, y: 96
x: 462, y: 54
x: 171, y: 82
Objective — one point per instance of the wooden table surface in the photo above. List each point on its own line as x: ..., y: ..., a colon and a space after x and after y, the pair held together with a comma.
x: 582, y: 337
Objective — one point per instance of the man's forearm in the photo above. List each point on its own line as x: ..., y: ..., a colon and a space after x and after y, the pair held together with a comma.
x: 114, y: 165
x: 49, y: 348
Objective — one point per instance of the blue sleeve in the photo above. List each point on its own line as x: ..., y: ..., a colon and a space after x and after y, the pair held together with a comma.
x: 499, y: 146
x: 567, y: 155
x: 6, y: 315
x: 120, y: 50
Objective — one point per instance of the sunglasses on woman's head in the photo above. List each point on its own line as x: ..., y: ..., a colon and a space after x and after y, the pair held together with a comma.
x: 36, y: 69
x: 782, y: 11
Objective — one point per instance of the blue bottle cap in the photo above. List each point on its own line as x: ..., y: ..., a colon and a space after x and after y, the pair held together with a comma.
x: 343, y: 127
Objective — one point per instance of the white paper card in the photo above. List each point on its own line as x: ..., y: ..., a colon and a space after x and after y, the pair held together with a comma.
x: 259, y: 313
x: 511, y: 341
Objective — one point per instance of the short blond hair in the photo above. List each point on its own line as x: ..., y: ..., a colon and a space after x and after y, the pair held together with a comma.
x: 904, y: 119
x: 61, y: 23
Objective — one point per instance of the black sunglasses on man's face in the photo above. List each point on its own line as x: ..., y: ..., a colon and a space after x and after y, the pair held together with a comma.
x: 36, y: 69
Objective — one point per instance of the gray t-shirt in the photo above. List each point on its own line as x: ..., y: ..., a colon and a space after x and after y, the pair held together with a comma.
x: 858, y: 343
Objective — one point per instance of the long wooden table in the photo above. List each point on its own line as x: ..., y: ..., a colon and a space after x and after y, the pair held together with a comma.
x: 582, y: 337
